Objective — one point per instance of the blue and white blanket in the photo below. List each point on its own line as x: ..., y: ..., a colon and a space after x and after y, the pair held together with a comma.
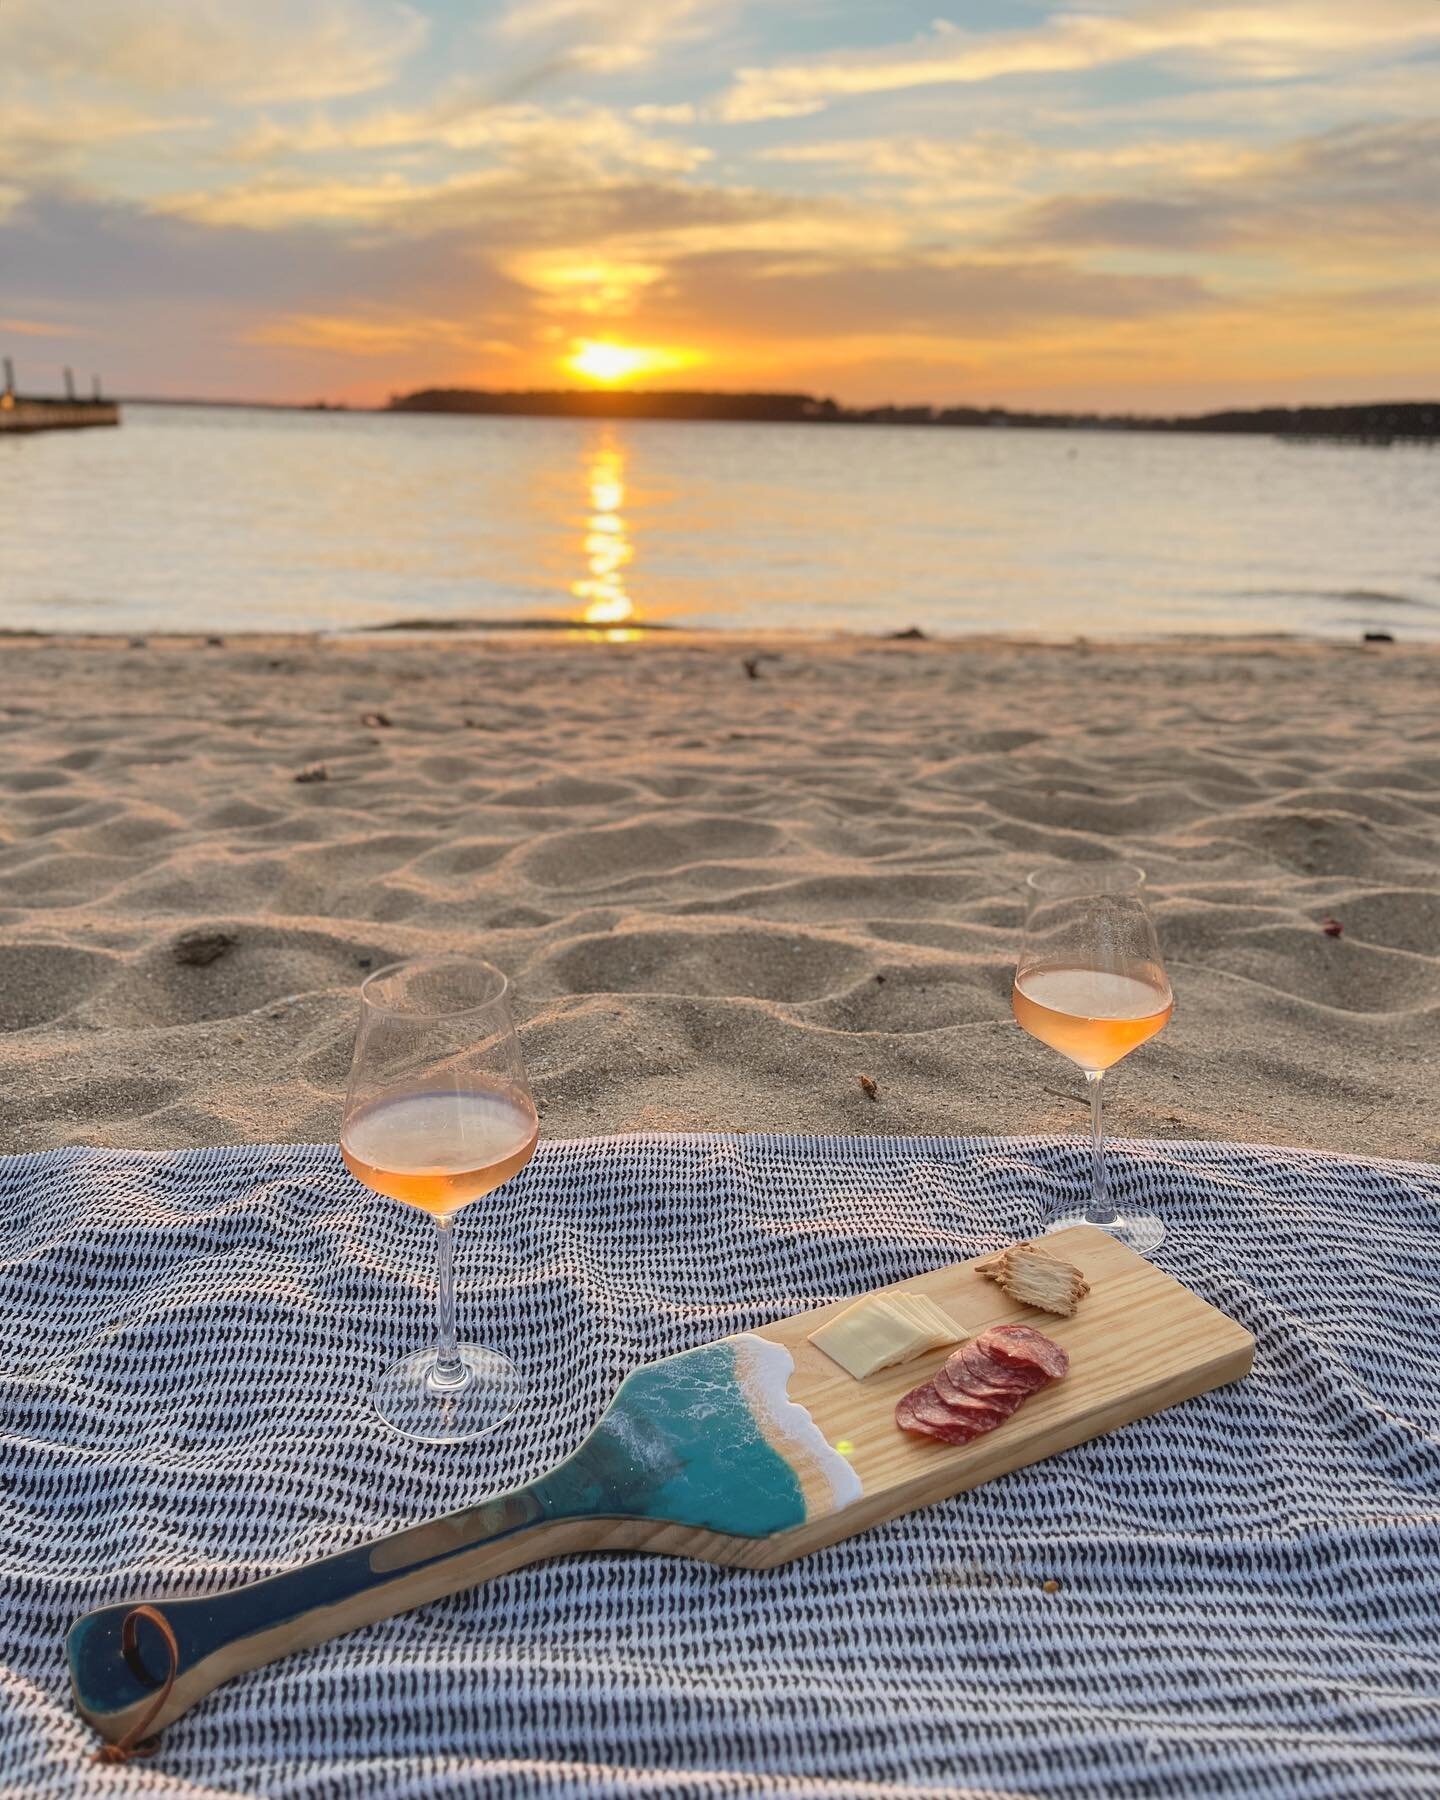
x: 1249, y: 1584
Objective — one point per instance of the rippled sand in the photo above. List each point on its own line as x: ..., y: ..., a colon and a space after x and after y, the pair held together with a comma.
x: 722, y: 898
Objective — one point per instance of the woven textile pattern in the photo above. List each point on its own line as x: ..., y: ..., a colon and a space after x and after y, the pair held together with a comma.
x: 1248, y: 1598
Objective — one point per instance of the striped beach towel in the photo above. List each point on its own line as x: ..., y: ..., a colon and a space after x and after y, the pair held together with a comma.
x: 1247, y: 1584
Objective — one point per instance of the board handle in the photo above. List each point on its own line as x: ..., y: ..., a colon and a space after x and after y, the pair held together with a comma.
x: 140, y: 1664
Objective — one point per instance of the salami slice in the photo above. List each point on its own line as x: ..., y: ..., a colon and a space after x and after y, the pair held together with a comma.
x: 992, y: 1407
x: 972, y: 1362
x: 950, y: 1430
x: 929, y: 1414
x: 928, y: 1407
x: 906, y: 1419
x: 905, y: 1414
x: 1024, y: 1347
x: 981, y: 1384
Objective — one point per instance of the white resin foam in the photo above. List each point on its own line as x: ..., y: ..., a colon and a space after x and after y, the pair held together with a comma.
x: 764, y: 1369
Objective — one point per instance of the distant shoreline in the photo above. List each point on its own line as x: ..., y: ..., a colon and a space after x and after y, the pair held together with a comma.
x: 565, y: 634
x: 1377, y: 422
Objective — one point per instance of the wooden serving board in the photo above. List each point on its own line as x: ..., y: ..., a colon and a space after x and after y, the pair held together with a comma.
x: 750, y: 1451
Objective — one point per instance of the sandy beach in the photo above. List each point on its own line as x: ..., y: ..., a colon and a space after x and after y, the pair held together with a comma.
x: 722, y: 896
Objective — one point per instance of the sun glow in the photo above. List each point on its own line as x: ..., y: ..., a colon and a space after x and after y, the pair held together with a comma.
x: 600, y: 360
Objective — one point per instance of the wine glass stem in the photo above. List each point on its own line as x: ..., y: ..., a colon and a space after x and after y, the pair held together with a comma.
x: 1100, y: 1212
x: 449, y: 1371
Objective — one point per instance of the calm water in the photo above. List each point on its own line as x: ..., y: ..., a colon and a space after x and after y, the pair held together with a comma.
x: 233, y: 520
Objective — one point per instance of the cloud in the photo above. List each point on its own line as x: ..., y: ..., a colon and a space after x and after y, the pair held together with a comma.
x: 257, y: 50
x: 40, y: 328
x: 1252, y: 39
x: 1355, y: 185
x: 931, y: 168
x: 464, y: 119
x: 609, y: 35
x: 595, y: 286
x: 37, y: 134
x: 680, y: 112
x: 174, y: 307
x: 448, y: 228
x: 983, y: 161
x: 513, y: 207
x: 104, y: 253
x: 375, y: 332
x: 917, y: 295
x: 1135, y: 222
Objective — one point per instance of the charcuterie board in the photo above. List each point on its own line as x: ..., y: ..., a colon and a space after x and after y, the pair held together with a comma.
x: 751, y: 1451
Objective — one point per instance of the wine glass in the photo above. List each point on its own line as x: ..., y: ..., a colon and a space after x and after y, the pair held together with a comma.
x: 439, y: 1113
x: 1090, y: 984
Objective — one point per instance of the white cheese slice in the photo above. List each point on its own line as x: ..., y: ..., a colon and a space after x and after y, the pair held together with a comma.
x: 926, y: 1316
x: 884, y: 1329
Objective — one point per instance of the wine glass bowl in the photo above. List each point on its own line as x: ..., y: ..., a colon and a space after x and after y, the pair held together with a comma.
x: 439, y: 1114
x: 1090, y: 983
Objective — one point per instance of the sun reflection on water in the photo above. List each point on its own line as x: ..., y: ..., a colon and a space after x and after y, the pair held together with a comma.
x: 601, y: 591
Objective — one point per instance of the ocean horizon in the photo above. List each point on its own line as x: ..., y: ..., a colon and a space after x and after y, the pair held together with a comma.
x: 226, y: 518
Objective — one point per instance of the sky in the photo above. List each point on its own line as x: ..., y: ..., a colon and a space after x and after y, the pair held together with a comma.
x: 1145, y: 205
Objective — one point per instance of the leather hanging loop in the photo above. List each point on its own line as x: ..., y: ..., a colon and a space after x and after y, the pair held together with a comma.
x: 135, y: 1742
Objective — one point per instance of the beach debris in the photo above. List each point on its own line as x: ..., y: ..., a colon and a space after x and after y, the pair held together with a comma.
x: 215, y: 643
x: 198, y: 949
x: 752, y: 667
x: 881, y: 980
x: 912, y: 633
x: 1331, y: 927
x: 139, y: 643
x: 1035, y: 1278
x: 1379, y: 637
x: 870, y: 1086
x: 315, y: 772
x: 377, y: 721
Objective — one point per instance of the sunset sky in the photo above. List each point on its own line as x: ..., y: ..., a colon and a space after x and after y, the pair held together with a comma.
x: 1181, y: 204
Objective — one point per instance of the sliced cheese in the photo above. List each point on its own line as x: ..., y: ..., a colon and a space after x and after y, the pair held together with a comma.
x: 927, y: 1317
x: 884, y: 1329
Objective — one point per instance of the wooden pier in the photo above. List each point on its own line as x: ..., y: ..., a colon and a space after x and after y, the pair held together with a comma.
x: 70, y: 414
x: 54, y: 415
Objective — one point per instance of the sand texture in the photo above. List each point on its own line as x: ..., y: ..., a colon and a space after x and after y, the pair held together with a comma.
x: 721, y: 897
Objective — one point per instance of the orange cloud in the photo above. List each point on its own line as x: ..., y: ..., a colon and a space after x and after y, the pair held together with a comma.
x: 39, y: 328
x: 370, y: 334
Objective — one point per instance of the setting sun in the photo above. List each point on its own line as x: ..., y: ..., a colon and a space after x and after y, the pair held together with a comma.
x: 606, y: 362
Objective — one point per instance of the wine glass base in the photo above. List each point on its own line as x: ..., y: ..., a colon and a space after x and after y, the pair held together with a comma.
x: 1143, y: 1232
x: 412, y: 1402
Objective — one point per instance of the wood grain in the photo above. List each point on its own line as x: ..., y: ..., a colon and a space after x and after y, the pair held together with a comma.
x: 1139, y: 1342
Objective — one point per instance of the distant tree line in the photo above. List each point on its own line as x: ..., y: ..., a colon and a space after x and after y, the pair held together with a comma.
x: 1377, y: 422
